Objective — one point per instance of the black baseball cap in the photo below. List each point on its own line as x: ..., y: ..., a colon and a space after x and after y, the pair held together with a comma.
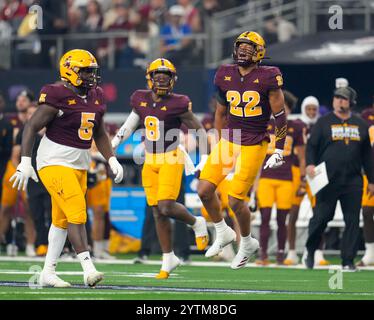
x: 347, y: 93
x: 27, y: 93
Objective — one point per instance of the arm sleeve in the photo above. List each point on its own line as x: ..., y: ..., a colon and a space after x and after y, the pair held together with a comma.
x: 129, y: 126
x: 312, y: 146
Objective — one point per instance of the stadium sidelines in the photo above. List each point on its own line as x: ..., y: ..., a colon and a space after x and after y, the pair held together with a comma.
x: 155, y: 289
x: 193, y: 263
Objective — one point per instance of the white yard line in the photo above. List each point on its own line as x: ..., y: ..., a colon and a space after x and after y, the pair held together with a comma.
x: 158, y: 262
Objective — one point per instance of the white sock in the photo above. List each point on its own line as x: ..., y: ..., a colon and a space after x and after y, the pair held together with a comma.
x: 318, y: 255
x: 368, y: 257
x: 30, y: 247
x: 56, y: 242
x: 167, y: 260
x: 98, y: 247
x: 291, y: 254
x: 106, y: 245
x: 245, y: 240
x: 221, y: 226
x: 369, y: 247
x: 86, y: 262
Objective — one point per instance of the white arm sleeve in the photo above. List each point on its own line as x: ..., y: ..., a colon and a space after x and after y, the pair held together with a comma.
x: 127, y: 129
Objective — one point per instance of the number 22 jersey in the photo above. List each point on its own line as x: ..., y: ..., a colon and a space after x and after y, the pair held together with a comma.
x: 247, y: 99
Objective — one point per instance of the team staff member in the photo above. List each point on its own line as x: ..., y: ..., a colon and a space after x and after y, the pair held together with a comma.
x: 368, y: 203
x: 341, y: 140
x: 6, y: 141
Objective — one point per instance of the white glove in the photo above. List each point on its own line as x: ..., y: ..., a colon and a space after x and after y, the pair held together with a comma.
x: 116, y: 141
x: 276, y: 160
x: 202, y: 162
x: 24, y: 172
x: 116, y: 168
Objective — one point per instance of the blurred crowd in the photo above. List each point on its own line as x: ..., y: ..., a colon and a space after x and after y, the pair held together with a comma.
x: 145, y: 27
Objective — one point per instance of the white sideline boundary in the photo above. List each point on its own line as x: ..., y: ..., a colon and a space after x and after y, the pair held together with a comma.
x: 193, y: 263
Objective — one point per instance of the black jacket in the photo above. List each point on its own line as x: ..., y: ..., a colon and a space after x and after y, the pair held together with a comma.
x: 6, y: 140
x: 345, y: 147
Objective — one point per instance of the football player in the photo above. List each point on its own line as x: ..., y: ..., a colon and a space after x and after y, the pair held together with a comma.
x: 367, y: 202
x: 10, y: 196
x: 73, y: 114
x: 309, y: 116
x: 276, y: 186
x: 248, y: 94
x: 161, y: 112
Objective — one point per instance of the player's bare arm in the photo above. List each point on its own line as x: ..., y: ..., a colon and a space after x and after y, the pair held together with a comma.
x: 102, y: 142
x: 191, y: 122
x: 40, y: 119
x: 220, y: 118
x: 42, y: 116
x: 104, y: 146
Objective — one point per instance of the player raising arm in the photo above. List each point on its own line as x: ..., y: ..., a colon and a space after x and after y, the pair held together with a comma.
x: 73, y: 113
x: 248, y: 94
x: 161, y: 113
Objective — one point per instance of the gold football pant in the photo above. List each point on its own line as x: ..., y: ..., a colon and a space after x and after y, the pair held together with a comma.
x: 67, y: 187
x: 245, y: 160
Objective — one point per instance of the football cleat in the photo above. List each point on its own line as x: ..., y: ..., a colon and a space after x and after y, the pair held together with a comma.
x: 93, y: 278
x: 165, y: 271
x: 41, y: 250
x: 50, y: 279
x: 322, y: 262
x: 263, y: 263
x: 290, y: 262
x: 201, y: 233
x: 244, y: 254
x: 222, y: 240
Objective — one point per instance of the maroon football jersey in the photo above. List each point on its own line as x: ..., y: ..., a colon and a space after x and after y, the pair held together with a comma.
x: 78, y: 117
x: 247, y: 98
x: 159, y: 118
x: 368, y: 116
x: 295, y: 137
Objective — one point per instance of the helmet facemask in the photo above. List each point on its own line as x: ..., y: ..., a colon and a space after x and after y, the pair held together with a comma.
x: 89, y: 77
x: 162, y: 82
x: 245, y: 55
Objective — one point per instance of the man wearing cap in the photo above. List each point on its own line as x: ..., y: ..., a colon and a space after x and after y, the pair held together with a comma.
x: 341, y: 140
x: 174, y: 44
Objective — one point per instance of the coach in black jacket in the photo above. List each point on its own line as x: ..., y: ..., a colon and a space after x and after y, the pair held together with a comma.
x: 341, y: 139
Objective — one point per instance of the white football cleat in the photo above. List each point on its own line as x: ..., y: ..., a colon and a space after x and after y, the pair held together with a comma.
x: 50, y: 279
x: 104, y: 255
x: 244, y: 254
x: 93, y: 278
x: 222, y: 240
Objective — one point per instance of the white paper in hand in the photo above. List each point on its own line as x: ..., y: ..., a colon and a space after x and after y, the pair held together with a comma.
x: 320, y: 180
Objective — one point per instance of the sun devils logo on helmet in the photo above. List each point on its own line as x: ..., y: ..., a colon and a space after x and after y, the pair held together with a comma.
x: 79, y: 68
